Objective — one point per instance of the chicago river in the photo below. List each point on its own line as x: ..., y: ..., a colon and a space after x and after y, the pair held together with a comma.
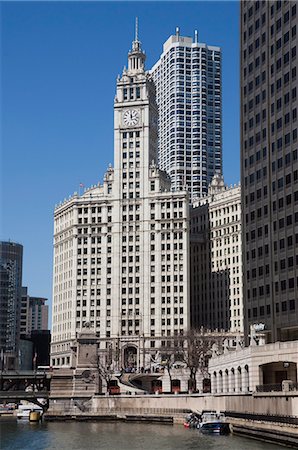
x: 116, y: 436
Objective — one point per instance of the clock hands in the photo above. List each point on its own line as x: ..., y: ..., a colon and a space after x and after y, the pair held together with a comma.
x: 131, y: 117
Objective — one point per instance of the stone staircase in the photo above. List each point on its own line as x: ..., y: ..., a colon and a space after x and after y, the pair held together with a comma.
x: 126, y: 385
x: 131, y: 380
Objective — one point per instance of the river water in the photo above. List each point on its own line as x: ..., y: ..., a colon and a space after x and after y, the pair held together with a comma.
x: 23, y: 435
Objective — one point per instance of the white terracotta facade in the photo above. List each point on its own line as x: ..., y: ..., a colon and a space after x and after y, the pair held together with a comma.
x: 121, y: 250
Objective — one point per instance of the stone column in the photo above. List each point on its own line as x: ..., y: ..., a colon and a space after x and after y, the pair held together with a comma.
x: 243, y: 388
x: 231, y: 382
x: 166, y: 384
x: 225, y: 382
x: 213, y: 383
x: 218, y: 380
x: 183, y: 383
x: 237, y: 381
x: 245, y: 379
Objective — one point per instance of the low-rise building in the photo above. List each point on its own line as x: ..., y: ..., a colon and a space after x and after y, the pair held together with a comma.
x: 259, y: 367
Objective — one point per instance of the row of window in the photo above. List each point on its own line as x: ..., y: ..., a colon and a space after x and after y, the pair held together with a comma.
x: 276, y: 107
x: 131, y: 144
x: 289, y: 241
x: 254, y: 102
x: 94, y: 209
x: 278, y: 45
x: 276, y: 165
x: 131, y: 93
x: 288, y: 179
x: 283, y: 41
x: 289, y: 220
x: 130, y: 134
x: 283, y: 307
x: 275, y: 7
x: 280, y: 265
x: 256, y: 176
x: 254, y: 65
x: 64, y: 360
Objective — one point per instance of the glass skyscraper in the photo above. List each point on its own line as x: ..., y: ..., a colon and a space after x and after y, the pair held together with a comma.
x: 188, y: 90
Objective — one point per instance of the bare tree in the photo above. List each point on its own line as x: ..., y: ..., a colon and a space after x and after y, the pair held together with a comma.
x: 170, y: 353
x: 196, y: 353
x: 104, y: 364
x: 105, y: 372
x: 166, y: 362
x: 193, y: 349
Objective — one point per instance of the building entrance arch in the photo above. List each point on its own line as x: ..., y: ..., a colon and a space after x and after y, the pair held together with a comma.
x: 130, y: 357
x: 276, y: 371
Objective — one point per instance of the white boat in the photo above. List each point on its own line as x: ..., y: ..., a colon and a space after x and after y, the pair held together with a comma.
x: 24, y: 410
x: 212, y: 422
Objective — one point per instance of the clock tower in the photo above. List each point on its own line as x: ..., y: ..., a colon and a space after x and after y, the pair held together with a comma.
x: 135, y: 124
x: 129, y: 242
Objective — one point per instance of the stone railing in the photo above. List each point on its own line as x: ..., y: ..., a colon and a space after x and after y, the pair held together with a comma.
x: 122, y: 411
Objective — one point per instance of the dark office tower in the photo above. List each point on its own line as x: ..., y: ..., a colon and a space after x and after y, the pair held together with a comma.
x: 11, y: 256
x: 269, y: 166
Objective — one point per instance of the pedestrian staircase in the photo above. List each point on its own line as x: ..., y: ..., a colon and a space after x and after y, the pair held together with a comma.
x: 126, y: 385
x: 130, y: 380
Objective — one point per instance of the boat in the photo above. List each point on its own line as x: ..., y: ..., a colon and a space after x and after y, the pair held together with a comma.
x: 192, y: 420
x: 24, y: 410
x: 212, y: 422
x: 7, y: 410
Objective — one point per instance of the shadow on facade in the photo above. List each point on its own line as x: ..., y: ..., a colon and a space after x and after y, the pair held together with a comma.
x: 209, y: 285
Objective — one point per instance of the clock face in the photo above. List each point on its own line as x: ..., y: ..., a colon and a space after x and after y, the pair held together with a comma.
x: 131, y: 117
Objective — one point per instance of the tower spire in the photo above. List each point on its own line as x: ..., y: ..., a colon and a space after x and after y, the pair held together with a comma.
x: 136, y: 57
x: 137, y: 29
x: 136, y: 44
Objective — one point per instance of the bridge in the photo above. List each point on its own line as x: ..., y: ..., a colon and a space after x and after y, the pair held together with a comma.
x: 33, y: 386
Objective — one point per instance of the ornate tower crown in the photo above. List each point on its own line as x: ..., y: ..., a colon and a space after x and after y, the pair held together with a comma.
x: 136, y: 57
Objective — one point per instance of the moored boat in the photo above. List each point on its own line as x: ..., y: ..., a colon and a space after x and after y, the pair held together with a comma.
x: 192, y: 420
x: 24, y: 410
x: 212, y: 422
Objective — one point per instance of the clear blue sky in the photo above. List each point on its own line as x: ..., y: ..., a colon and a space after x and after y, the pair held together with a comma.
x: 59, y: 67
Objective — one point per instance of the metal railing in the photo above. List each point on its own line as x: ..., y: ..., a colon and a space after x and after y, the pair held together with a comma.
x: 277, y: 387
x: 293, y: 420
